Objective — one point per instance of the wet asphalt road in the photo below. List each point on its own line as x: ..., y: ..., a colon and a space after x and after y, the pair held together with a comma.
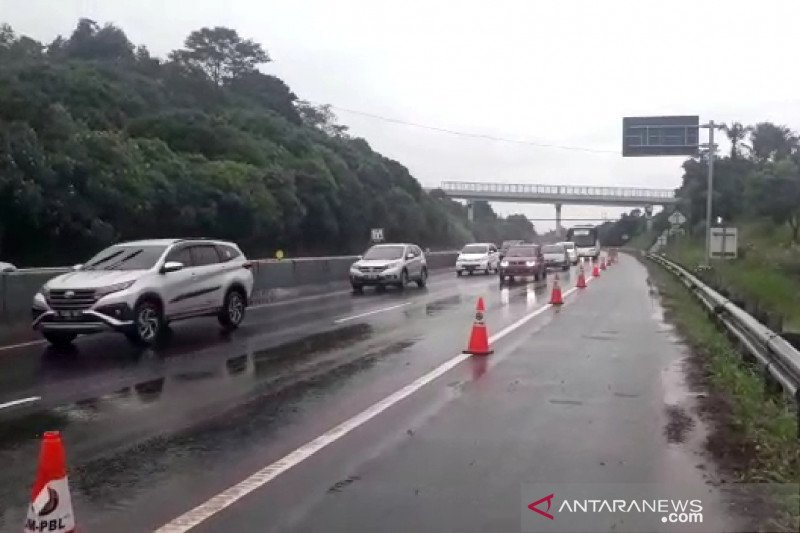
x: 582, y: 393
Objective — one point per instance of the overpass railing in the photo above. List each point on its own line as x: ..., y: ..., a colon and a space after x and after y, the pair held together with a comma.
x: 555, y: 190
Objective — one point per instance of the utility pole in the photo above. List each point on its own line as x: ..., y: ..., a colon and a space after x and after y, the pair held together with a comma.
x: 710, y: 188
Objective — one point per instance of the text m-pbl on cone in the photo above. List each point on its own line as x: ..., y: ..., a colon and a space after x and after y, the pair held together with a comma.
x: 51, y: 505
x: 479, y: 337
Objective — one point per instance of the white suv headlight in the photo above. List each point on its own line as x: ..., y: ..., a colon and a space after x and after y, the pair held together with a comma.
x: 104, y: 291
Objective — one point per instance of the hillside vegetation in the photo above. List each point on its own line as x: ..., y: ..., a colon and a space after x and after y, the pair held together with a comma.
x: 100, y: 141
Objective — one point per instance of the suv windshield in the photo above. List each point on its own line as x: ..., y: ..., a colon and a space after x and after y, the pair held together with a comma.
x: 553, y: 249
x: 385, y: 252
x: 475, y: 249
x: 522, y: 251
x: 125, y: 257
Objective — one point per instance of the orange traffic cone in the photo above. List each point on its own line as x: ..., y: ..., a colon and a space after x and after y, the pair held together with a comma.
x: 51, y: 505
x: 479, y: 337
x: 581, y: 279
x: 555, y: 296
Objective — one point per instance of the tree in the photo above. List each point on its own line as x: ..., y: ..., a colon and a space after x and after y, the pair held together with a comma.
x: 90, y: 41
x: 777, y: 194
x: 736, y: 133
x: 321, y: 117
x: 220, y: 53
x: 771, y: 142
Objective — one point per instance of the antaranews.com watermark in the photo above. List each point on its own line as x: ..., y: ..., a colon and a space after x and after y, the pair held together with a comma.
x: 644, y: 507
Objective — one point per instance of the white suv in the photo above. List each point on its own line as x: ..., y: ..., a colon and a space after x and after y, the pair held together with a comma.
x: 389, y: 264
x: 137, y: 288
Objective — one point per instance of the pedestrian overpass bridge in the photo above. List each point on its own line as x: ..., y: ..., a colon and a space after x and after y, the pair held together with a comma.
x: 557, y: 195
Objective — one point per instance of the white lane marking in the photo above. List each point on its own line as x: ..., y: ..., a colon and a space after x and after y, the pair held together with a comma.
x: 21, y: 345
x: 228, y: 497
x: 21, y: 401
x: 373, y: 312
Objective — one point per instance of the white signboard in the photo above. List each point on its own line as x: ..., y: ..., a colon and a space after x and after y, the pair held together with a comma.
x: 677, y: 218
x: 377, y: 234
x: 724, y: 243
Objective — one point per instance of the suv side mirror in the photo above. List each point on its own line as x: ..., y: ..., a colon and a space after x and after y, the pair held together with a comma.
x: 171, y: 266
x: 410, y: 256
x: 77, y: 267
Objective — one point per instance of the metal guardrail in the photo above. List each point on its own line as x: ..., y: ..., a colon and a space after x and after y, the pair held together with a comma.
x: 556, y: 190
x: 774, y: 354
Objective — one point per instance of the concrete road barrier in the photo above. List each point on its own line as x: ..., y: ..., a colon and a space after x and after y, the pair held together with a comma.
x: 274, y: 280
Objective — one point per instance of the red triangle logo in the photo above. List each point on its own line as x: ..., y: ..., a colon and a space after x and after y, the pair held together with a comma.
x: 549, y: 500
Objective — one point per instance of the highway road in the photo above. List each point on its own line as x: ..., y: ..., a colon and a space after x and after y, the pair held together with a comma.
x: 358, y: 413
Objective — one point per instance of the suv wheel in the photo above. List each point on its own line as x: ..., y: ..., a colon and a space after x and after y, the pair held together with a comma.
x: 423, y: 278
x: 403, y: 280
x: 233, y: 308
x: 59, y: 338
x: 148, y: 323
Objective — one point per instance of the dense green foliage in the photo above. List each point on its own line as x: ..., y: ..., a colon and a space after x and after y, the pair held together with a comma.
x: 759, y: 178
x: 100, y: 141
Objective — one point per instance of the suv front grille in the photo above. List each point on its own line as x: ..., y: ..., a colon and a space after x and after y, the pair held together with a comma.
x: 71, y: 299
x: 372, y: 269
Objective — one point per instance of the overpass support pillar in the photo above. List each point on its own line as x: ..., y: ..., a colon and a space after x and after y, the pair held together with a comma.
x: 470, y: 211
x: 648, y: 217
x: 559, y: 228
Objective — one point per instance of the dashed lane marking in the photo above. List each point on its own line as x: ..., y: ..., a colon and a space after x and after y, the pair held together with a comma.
x: 21, y: 401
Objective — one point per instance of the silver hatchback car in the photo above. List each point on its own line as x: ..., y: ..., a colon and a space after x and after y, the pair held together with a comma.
x: 137, y: 288
x: 390, y: 264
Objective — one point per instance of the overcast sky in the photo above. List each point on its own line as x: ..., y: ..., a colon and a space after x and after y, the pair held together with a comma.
x: 547, y: 72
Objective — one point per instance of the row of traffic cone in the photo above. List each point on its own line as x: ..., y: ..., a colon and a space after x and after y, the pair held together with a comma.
x: 479, y: 336
x: 51, y: 504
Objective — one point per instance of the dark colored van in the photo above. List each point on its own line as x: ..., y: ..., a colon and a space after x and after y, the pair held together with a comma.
x: 523, y: 260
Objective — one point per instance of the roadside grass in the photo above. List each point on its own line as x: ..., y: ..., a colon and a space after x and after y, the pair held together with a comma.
x: 643, y: 241
x: 768, y: 274
x: 755, y: 428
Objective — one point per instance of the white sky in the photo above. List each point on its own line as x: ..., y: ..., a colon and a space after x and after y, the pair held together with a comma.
x: 550, y: 72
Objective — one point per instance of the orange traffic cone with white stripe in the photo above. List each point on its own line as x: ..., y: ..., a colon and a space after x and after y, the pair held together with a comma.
x: 581, y: 278
x: 556, y: 297
x: 479, y: 337
x: 51, y: 504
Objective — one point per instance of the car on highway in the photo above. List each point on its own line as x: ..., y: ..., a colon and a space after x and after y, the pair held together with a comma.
x: 572, y: 251
x: 523, y: 260
x: 138, y: 288
x: 506, y: 245
x: 478, y: 256
x: 7, y: 267
x: 556, y: 256
x: 394, y: 264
